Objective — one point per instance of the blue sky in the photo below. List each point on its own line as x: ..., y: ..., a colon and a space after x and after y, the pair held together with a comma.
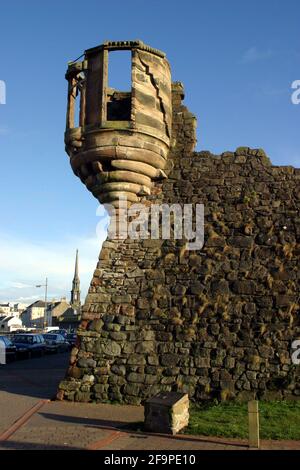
x: 237, y: 60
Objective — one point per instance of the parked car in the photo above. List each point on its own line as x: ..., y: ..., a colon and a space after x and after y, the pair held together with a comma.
x: 71, y: 338
x: 51, y: 329
x: 62, y: 332
x: 29, y: 344
x: 55, y: 343
x: 9, y: 348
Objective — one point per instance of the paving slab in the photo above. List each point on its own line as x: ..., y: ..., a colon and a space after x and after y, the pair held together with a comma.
x: 29, y: 420
x: 65, y: 425
x: 69, y: 426
x: 12, y: 407
x: 23, y: 383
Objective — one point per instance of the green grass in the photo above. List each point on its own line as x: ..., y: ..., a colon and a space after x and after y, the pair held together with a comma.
x: 278, y: 420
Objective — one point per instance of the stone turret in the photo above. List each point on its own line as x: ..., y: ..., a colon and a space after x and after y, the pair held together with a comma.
x: 122, y: 142
x: 216, y: 322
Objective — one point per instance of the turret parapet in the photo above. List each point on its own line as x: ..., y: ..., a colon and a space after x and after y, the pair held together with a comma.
x: 122, y: 141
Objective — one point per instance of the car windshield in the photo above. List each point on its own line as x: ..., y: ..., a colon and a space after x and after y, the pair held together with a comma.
x: 6, y: 340
x: 23, y: 339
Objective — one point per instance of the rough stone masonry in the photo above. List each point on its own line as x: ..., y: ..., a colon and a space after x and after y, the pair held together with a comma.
x: 214, y: 323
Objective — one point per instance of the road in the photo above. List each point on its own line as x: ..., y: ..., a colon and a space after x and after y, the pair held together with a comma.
x: 24, y: 382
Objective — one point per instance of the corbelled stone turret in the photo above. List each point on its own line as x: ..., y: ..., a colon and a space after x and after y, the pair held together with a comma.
x: 121, y: 144
x: 220, y: 321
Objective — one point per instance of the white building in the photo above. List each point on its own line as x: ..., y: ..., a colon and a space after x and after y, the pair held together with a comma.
x: 10, y: 323
x: 18, y: 308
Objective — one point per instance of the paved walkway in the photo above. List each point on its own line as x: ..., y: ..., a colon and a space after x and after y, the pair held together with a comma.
x: 29, y: 420
x: 57, y: 425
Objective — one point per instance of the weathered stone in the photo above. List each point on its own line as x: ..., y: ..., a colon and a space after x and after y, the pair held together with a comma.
x: 202, y: 362
x: 168, y: 413
x: 116, y: 380
x: 136, y: 359
x: 121, y: 299
x: 100, y: 388
x: 134, y: 377
x: 169, y: 359
x: 241, y: 242
x: 145, y: 347
x: 216, y: 321
x: 69, y: 386
x: 132, y: 389
x: 220, y: 287
x: 119, y: 370
x: 143, y: 303
x: 90, y: 379
x: 151, y: 379
x: 75, y: 372
x: 128, y: 309
x: 96, y: 325
x: 153, y: 360
x: 83, y: 397
x: 250, y: 307
x: 244, y: 287
x: 87, y: 362
x: 118, y: 335
x: 111, y: 348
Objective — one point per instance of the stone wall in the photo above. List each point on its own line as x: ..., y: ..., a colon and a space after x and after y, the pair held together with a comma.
x: 215, y: 323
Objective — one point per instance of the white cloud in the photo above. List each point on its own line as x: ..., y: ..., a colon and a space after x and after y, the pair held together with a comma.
x: 28, y: 300
x: 25, y: 264
x: 19, y: 285
x: 253, y: 55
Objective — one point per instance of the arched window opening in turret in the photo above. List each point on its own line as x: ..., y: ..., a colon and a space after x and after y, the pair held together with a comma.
x: 119, y: 86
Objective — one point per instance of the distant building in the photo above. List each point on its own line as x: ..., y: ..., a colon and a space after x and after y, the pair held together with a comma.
x: 34, y: 315
x: 58, y: 312
x: 5, y: 308
x: 18, y: 308
x: 10, y: 323
x: 67, y: 315
x: 13, y: 309
x: 57, y: 308
x: 70, y: 319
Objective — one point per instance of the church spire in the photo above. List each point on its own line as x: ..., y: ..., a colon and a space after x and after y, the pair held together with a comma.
x: 75, y: 292
x: 76, y: 266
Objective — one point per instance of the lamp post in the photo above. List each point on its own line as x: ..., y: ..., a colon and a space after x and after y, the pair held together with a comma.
x: 46, y: 292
